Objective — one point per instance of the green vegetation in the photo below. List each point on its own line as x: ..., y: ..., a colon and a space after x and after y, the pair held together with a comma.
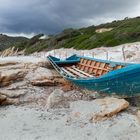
x: 123, y: 31
x: 8, y: 41
x: 32, y: 45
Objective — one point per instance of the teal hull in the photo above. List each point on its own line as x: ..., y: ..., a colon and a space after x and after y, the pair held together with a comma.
x: 121, y: 82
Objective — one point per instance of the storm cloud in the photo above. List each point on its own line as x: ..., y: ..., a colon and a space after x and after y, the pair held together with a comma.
x: 51, y: 16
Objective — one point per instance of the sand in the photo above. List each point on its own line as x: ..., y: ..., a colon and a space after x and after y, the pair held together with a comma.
x: 23, y: 123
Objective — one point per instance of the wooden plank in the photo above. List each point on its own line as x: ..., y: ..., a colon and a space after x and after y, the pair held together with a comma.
x: 68, y: 72
x: 92, y: 65
x: 100, y: 71
x: 106, y: 66
x: 104, y: 72
x: 77, y: 73
x: 83, y: 64
x: 102, y: 65
x: 82, y: 72
x: 95, y: 67
x: 81, y: 61
x: 88, y: 64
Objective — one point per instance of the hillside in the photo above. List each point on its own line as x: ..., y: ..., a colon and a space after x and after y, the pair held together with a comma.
x: 8, y: 41
x: 108, y: 35
x: 125, y: 31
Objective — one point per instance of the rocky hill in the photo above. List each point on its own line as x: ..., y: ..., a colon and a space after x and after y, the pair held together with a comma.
x: 108, y: 35
x: 8, y: 41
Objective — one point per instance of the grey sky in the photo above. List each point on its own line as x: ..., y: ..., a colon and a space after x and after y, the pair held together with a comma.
x: 51, y: 16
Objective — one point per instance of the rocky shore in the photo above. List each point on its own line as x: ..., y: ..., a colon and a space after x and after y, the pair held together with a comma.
x: 38, y: 104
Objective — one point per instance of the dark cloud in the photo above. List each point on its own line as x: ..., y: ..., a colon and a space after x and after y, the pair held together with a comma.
x: 50, y: 16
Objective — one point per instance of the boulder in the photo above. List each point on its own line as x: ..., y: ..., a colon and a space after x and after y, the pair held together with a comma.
x: 40, y: 74
x: 98, y: 109
x: 13, y: 93
x: 66, y: 85
x: 10, y: 101
x: 10, y: 76
x: 57, y: 100
x: 43, y: 63
x: 4, y: 100
x: 44, y: 77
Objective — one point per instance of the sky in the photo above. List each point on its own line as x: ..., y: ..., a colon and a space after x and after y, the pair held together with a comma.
x: 29, y: 17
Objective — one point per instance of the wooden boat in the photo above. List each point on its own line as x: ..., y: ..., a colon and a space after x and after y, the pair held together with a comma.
x: 112, y: 78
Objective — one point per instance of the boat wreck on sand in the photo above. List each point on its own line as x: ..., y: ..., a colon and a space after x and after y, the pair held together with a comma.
x: 112, y: 78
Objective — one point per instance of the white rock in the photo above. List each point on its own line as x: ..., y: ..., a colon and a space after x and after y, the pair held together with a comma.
x: 10, y: 76
x: 40, y: 73
x: 57, y: 99
x: 98, y: 109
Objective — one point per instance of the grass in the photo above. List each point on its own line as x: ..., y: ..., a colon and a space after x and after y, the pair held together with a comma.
x: 124, y: 31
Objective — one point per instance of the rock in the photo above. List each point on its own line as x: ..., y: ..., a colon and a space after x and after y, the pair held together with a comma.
x: 57, y: 100
x: 138, y: 115
x: 98, y: 109
x: 18, y: 78
x: 44, y: 77
x: 40, y: 74
x: 43, y: 63
x: 66, y: 85
x: 6, y: 63
x: 13, y: 93
x: 43, y: 82
x: 10, y: 101
x: 10, y: 76
x: 4, y: 100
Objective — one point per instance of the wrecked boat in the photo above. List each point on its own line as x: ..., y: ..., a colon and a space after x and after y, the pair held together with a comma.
x: 112, y: 78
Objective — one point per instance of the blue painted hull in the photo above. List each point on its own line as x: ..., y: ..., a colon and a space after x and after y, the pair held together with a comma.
x: 121, y: 86
x: 122, y: 82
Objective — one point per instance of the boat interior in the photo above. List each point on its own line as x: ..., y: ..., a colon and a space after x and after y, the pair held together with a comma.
x: 87, y: 68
